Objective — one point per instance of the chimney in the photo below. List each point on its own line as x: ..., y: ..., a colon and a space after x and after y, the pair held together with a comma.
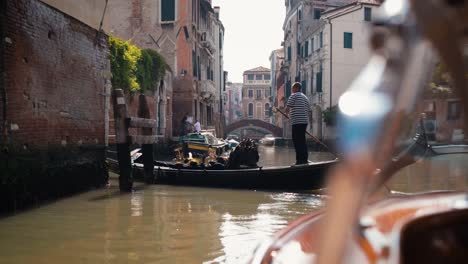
x: 216, y: 11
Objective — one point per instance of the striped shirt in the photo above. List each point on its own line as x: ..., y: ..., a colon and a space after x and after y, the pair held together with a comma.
x: 300, y: 108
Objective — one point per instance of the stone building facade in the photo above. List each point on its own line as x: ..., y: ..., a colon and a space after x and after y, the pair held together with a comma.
x: 277, y: 81
x: 256, y: 94
x: 326, y: 46
x: 233, y: 102
x: 142, y: 23
x: 199, y: 78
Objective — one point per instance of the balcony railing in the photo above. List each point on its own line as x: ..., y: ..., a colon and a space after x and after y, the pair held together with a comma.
x: 207, y: 89
x: 207, y: 40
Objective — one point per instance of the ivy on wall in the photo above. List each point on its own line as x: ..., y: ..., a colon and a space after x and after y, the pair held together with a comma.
x: 330, y: 115
x: 150, y: 69
x: 134, y: 69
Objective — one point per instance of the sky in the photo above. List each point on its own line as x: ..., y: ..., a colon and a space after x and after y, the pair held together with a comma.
x: 253, y: 29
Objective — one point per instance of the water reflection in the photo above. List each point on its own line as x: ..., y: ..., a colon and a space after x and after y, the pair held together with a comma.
x: 166, y: 224
x: 157, y: 224
x: 444, y: 172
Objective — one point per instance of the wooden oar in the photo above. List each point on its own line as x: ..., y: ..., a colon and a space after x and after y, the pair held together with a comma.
x: 312, y: 136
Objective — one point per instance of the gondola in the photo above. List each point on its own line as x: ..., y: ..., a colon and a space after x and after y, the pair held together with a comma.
x: 309, y: 176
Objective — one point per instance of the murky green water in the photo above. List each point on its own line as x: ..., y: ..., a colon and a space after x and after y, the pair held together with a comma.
x: 155, y: 223
x: 168, y: 224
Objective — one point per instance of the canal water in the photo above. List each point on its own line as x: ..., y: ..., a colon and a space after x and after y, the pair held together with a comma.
x: 155, y: 223
x: 168, y: 224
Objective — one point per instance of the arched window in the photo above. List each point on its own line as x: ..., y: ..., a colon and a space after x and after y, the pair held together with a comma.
x: 251, y: 109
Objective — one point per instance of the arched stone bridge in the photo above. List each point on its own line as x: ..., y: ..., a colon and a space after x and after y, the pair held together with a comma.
x: 276, y: 131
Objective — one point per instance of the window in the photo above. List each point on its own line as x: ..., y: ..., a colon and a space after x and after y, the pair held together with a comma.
x: 266, y: 77
x: 288, y: 88
x: 321, y: 40
x: 250, y: 110
x: 267, y: 110
x: 167, y: 10
x: 259, y: 94
x: 348, y: 40
x: 299, y: 15
x: 298, y: 48
x: 194, y: 11
x: 317, y: 13
x: 289, y: 53
x: 250, y: 77
x: 453, y: 110
x: 367, y: 13
x: 318, y: 82
x: 306, y: 49
x: 304, y: 86
x: 267, y: 92
x: 250, y: 93
x: 312, y: 83
x: 194, y: 63
x: 258, y: 77
x: 429, y: 107
x: 220, y: 41
x: 312, y: 45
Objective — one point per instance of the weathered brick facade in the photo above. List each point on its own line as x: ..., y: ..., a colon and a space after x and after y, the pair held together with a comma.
x: 52, y: 104
x: 54, y: 77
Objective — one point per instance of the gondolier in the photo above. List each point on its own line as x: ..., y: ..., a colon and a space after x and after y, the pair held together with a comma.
x: 298, y: 106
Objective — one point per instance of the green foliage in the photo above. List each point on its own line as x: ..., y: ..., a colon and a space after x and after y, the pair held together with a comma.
x: 441, y: 85
x: 330, y: 115
x: 134, y: 69
x: 151, y: 68
x: 124, y: 58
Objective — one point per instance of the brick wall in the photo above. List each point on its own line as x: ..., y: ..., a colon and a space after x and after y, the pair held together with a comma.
x: 55, y: 70
x: 2, y: 68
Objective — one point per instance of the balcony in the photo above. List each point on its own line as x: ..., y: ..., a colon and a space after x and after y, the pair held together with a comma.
x: 207, y: 90
x: 207, y: 41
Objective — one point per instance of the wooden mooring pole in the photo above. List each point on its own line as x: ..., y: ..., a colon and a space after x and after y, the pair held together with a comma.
x: 147, y: 147
x: 121, y: 137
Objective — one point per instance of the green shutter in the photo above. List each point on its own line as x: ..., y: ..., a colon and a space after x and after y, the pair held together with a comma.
x: 194, y: 63
x: 318, y: 79
x: 312, y: 83
x: 348, y: 40
x: 289, y: 53
x: 367, y: 13
x: 304, y: 86
x: 167, y: 10
x: 321, y: 39
x: 306, y: 48
x: 288, y: 89
x: 220, y: 41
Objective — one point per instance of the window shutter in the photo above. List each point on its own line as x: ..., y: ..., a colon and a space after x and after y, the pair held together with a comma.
x: 288, y: 89
x: 306, y: 49
x: 304, y: 86
x: 312, y: 83
x: 348, y: 40
x: 167, y: 10
x: 318, y: 79
x: 321, y: 40
x: 289, y: 53
x: 194, y: 63
x: 367, y: 13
